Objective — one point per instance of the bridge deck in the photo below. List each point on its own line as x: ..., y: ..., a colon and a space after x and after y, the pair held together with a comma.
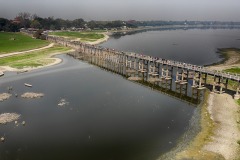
x: 190, y: 67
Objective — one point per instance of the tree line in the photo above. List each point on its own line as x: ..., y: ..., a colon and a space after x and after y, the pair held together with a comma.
x: 26, y: 20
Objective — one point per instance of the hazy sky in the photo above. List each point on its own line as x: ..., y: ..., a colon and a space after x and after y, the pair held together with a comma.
x: 224, y: 10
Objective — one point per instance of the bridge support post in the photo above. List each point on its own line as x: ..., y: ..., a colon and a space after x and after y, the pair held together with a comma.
x: 148, y: 70
x: 237, y: 96
x: 227, y: 83
x: 205, y: 79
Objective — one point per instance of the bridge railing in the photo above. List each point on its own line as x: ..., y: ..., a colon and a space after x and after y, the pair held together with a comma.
x: 154, y: 59
x: 187, y: 66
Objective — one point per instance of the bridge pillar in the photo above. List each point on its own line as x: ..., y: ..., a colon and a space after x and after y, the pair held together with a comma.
x: 205, y: 79
x: 148, y: 70
x: 153, y: 73
x: 219, y: 83
x: 237, y: 96
x: 125, y: 58
x: 181, y: 81
x: 159, y: 70
x: 167, y: 76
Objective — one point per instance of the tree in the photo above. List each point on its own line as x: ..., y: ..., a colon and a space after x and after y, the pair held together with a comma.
x: 11, y: 27
x: 52, y: 27
x: 24, y: 19
x: 24, y: 15
x: 34, y: 16
x: 78, y: 23
x: 35, y: 24
x: 92, y: 24
x: 3, y: 23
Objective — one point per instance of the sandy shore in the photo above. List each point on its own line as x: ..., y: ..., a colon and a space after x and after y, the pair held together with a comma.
x: 234, y: 58
x: 224, y: 113
x: 218, y: 127
x: 220, y: 118
x: 223, y: 110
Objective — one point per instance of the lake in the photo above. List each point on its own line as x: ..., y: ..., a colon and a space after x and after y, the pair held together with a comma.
x: 107, y: 117
x: 195, y: 46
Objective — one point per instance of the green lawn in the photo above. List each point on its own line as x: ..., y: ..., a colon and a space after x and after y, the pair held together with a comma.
x: 32, y: 59
x: 233, y: 70
x: 84, y: 36
x: 13, y: 42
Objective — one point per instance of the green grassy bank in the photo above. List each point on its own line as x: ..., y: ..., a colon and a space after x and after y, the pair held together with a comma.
x: 84, y: 36
x: 32, y: 59
x: 14, y: 42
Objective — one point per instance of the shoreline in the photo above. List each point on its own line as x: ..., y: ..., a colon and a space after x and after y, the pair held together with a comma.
x: 219, y: 120
x: 231, y: 58
x: 223, y: 53
x: 99, y: 41
x: 27, y: 69
x: 224, y: 112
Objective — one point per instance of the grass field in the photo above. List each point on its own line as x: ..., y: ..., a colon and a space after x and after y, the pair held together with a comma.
x: 13, y: 42
x: 84, y: 36
x: 32, y: 59
x: 233, y: 70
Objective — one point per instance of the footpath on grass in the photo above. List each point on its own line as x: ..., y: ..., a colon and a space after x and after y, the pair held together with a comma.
x: 22, y: 52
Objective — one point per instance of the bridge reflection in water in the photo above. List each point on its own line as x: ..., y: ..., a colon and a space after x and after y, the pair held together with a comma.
x: 175, y: 86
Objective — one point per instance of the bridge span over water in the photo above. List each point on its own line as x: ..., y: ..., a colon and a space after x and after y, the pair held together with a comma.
x: 153, y: 71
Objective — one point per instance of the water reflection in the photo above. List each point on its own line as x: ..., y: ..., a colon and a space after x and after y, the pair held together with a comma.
x: 107, y: 117
x: 184, y: 92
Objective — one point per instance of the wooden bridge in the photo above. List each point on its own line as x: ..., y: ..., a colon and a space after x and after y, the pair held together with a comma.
x: 151, y: 70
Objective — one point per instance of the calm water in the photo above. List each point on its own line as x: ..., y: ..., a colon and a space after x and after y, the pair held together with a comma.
x: 196, y: 46
x: 108, y: 117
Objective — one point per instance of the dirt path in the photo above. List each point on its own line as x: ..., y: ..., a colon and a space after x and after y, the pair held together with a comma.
x: 32, y: 50
x: 223, y: 110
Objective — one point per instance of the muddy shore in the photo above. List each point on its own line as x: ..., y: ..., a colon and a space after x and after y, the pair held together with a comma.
x: 216, y: 132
